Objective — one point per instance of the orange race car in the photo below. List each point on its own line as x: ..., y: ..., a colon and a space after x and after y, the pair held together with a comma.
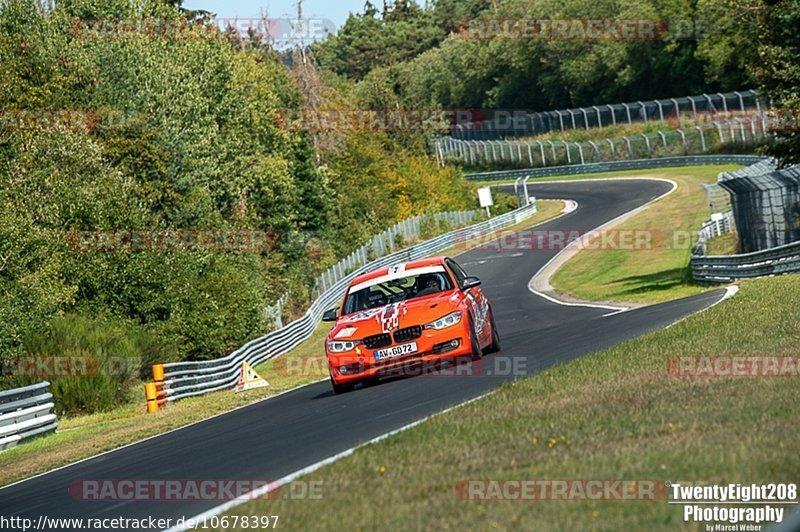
x: 407, y: 315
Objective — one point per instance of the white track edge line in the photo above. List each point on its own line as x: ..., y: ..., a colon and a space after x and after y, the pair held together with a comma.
x: 260, y: 492
x: 610, y: 223
x: 730, y: 291
x: 176, y: 429
x: 194, y: 422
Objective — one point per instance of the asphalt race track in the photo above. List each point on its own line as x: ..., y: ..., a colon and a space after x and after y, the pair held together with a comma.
x: 276, y: 437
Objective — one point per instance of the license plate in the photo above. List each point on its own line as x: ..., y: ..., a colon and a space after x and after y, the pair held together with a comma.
x: 396, y: 351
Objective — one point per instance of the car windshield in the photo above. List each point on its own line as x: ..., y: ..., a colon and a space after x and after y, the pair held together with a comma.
x: 390, y: 289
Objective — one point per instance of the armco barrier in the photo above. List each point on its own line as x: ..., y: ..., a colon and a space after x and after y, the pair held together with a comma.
x: 615, y: 166
x: 719, y: 224
x: 25, y: 413
x: 728, y: 268
x: 187, y: 379
x: 763, y: 212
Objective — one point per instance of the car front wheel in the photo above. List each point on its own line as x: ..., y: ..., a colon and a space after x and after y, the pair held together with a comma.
x: 339, y: 389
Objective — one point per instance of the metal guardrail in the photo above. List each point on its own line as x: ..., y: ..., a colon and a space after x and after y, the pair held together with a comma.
x: 719, y: 224
x: 386, y: 242
x: 615, y: 166
x: 765, y: 200
x: 25, y: 413
x: 727, y: 268
x: 188, y: 379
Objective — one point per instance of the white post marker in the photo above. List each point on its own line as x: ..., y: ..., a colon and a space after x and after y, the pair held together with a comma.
x: 249, y: 379
x: 485, y: 197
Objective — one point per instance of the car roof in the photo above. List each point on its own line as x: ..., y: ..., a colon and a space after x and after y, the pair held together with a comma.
x: 410, y: 265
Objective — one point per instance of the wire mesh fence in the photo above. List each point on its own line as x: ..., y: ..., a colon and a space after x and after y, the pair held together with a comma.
x: 766, y: 204
x: 734, y: 133
x: 512, y: 124
x: 391, y: 239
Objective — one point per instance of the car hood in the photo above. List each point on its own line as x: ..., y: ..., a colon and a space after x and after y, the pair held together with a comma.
x: 418, y: 311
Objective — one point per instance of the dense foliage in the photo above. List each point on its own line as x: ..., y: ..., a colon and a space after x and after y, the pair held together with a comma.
x: 181, y: 135
x: 412, y: 57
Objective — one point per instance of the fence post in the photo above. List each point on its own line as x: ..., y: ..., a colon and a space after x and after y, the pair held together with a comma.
x: 541, y: 152
x: 613, y: 114
x: 599, y: 118
x: 724, y: 101
x: 702, y: 137
x: 663, y: 139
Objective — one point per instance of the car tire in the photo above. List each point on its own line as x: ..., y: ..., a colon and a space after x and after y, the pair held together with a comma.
x: 494, y: 347
x: 340, y: 389
x: 477, y: 352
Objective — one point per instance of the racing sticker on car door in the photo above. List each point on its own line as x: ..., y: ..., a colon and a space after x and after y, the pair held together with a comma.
x: 390, y: 317
x: 480, y: 309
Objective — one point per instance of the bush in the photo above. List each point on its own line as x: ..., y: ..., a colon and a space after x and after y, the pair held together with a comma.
x: 91, y: 363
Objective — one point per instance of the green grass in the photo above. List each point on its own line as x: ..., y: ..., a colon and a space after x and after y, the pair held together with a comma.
x: 707, y: 171
x: 655, y: 273
x: 602, y: 133
x: 82, y: 436
x: 615, y: 414
x: 725, y: 244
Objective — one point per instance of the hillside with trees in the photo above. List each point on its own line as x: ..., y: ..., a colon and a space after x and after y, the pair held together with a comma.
x: 158, y: 133
x: 174, y: 133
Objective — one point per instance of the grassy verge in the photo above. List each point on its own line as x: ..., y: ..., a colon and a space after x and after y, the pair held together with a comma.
x: 651, y: 273
x: 615, y: 414
x: 711, y: 171
x: 83, y: 436
x: 725, y: 244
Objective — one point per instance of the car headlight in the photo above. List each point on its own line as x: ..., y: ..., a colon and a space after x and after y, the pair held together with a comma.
x: 447, y: 321
x: 342, y: 347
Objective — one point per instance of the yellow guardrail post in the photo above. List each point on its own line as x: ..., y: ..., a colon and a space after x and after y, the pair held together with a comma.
x: 151, y: 394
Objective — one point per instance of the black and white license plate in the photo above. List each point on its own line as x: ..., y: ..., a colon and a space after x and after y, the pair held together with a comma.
x: 396, y: 351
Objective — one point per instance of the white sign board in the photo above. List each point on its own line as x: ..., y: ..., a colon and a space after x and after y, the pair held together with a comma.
x: 485, y: 196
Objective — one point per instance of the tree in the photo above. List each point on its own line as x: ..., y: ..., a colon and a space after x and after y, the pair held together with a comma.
x: 777, y: 70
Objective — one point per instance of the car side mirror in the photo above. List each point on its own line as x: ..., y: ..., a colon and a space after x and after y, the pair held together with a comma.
x: 330, y: 315
x: 471, y: 282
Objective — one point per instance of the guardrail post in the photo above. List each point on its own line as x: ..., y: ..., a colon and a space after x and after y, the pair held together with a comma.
x: 151, y: 395
x: 158, y: 372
